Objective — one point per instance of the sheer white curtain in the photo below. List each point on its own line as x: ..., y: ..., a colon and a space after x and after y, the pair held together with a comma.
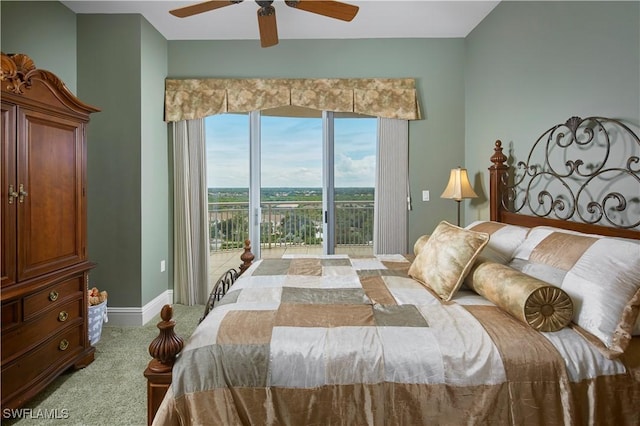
x: 191, y: 234
x: 392, y: 187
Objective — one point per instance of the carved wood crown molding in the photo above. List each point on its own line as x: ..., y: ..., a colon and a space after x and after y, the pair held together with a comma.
x: 18, y: 74
x: 17, y: 70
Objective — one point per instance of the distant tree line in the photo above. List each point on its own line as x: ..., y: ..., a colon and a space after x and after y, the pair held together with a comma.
x: 299, y: 225
x: 241, y: 195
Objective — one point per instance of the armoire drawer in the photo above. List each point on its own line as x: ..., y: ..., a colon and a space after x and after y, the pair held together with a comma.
x: 30, y: 333
x: 52, y: 295
x: 49, y: 356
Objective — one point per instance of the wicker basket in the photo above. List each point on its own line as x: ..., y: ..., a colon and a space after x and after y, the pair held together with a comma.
x: 97, y: 317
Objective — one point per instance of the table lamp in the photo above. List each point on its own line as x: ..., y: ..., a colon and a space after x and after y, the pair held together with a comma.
x: 458, y: 187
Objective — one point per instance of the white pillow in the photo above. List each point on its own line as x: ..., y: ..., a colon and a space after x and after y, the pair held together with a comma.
x: 504, y: 239
x: 601, y: 274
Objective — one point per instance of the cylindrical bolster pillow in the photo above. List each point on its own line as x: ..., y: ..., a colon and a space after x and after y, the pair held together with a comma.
x: 537, y: 303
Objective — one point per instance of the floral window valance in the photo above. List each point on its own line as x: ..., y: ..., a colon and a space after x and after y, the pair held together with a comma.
x: 187, y: 99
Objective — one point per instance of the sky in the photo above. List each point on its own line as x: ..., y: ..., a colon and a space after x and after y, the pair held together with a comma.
x: 291, y: 151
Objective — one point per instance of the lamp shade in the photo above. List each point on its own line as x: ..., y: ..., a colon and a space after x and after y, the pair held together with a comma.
x: 458, y: 186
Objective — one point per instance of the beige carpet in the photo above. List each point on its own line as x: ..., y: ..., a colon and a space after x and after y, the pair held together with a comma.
x: 111, y: 390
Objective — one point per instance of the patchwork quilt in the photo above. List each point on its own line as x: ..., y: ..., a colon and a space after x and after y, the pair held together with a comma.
x: 340, y: 340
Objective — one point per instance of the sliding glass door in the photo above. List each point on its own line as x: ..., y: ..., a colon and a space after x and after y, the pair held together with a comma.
x: 297, y: 181
x: 227, y: 143
x: 291, y: 185
x: 354, y: 165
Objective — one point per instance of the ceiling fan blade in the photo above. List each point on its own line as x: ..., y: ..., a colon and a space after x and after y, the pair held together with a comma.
x: 332, y: 9
x: 268, y: 26
x: 206, y: 6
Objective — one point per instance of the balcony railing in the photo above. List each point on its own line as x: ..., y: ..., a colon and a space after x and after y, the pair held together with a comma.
x: 289, y: 223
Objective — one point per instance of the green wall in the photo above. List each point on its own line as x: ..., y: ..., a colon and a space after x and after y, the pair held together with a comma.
x: 531, y: 65
x: 122, y: 63
x: 436, y: 143
x: 156, y: 184
x: 44, y: 30
x: 109, y: 64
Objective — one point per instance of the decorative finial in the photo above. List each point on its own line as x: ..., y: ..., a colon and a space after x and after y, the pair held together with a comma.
x: 167, y: 345
x: 498, y: 158
x: 246, y: 257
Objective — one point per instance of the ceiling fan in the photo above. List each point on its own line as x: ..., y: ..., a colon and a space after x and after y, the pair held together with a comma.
x: 267, y: 13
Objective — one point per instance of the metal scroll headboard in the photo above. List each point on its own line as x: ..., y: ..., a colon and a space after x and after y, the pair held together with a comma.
x: 585, y: 170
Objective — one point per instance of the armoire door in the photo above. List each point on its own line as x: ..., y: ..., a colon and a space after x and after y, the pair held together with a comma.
x: 50, y: 217
x: 8, y: 174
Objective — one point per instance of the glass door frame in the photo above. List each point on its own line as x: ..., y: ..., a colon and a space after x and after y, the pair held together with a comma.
x: 255, y: 183
x: 328, y: 190
x: 328, y: 183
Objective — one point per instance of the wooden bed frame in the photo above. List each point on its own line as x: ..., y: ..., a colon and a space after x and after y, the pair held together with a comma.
x: 505, y: 206
x: 167, y: 345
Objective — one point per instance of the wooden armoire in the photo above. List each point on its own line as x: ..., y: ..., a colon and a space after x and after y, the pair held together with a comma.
x: 44, y: 251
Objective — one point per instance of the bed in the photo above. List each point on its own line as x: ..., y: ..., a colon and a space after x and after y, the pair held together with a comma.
x: 528, y: 317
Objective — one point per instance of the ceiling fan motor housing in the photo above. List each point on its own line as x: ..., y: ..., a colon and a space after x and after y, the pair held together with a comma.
x: 265, y: 7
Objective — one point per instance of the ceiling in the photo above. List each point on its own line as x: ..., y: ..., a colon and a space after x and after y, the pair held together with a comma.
x: 375, y: 19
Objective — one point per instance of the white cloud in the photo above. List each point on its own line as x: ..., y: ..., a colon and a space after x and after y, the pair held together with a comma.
x: 291, y: 152
x: 350, y: 172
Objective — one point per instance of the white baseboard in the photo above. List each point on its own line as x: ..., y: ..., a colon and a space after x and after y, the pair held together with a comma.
x: 135, y: 317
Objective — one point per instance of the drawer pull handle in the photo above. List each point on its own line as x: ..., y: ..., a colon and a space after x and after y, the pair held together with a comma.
x: 64, y: 344
x: 62, y: 316
x: 53, y: 296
